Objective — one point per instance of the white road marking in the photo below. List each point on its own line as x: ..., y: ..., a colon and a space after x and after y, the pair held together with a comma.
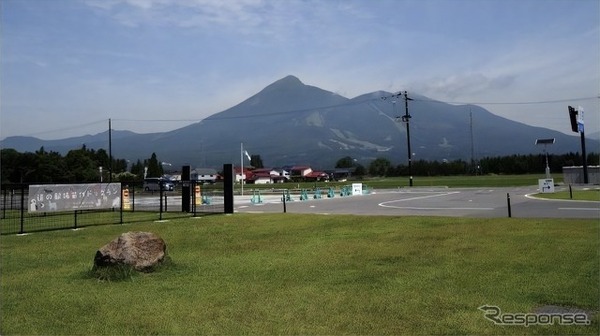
x: 383, y: 204
x: 436, y: 194
x: 580, y: 209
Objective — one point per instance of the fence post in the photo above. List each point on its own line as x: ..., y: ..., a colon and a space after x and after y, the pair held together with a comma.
x: 283, y: 198
x: 508, y: 202
x: 122, y: 202
x: 75, y: 220
x: 132, y: 197
x: 160, y: 217
x: 4, y: 203
x: 193, y: 197
x: 22, y: 230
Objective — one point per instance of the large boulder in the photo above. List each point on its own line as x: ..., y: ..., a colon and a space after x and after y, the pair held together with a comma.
x: 140, y: 250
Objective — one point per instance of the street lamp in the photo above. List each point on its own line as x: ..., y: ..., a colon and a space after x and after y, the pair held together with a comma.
x: 545, y: 142
x: 406, y: 119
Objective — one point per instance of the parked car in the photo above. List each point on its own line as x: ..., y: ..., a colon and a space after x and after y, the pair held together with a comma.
x: 153, y: 184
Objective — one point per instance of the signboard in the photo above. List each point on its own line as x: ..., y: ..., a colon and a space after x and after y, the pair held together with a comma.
x: 356, y: 189
x: 580, y: 122
x: 66, y: 197
x: 546, y: 185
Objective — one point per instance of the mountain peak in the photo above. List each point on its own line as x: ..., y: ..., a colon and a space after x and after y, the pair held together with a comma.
x: 290, y: 79
x: 287, y: 82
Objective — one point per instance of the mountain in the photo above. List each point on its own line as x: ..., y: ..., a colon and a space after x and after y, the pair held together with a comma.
x: 31, y: 144
x: 594, y: 136
x: 290, y: 123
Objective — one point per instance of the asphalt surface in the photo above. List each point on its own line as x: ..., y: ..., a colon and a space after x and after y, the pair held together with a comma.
x: 439, y: 201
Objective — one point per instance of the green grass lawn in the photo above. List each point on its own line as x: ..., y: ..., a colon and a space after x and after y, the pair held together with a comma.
x: 307, y: 274
x: 577, y: 195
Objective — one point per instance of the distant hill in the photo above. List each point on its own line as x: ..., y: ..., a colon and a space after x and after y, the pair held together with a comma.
x: 290, y: 123
x: 594, y: 136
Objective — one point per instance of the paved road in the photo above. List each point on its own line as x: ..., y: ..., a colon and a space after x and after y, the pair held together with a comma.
x: 459, y: 202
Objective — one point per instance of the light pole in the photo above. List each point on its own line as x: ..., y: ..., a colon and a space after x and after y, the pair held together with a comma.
x: 545, y: 142
x: 406, y: 119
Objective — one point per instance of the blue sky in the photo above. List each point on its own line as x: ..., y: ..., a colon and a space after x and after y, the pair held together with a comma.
x: 67, y: 66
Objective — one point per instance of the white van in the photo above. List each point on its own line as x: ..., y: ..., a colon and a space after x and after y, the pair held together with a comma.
x: 153, y: 184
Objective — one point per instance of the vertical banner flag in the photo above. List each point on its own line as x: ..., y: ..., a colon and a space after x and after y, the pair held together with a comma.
x: 580, y: 119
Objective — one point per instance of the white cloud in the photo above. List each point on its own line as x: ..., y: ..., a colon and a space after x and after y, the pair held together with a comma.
x: 198, y: 57
x: 463, y: 85
x: 185, y: 13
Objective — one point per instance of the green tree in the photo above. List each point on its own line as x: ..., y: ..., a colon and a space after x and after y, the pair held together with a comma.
x: 137, y: 168
x: 80, y: 167
x: 359, y: 170
x: 349, y: 162
x: 50, y: 167
x: 380, y: 167
x: 10, y: 165
x: 119, y: 166
x: 154, y: 167
x: 101, y: 158
x: 345, y: 162
x: 256, y: 161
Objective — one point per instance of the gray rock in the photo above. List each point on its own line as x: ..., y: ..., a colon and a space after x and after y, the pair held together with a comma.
x: 140, y: 250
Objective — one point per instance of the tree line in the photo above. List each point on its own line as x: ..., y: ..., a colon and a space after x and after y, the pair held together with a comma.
x: 508, y: 165
x: 79, y: 165
x: 83, y: 165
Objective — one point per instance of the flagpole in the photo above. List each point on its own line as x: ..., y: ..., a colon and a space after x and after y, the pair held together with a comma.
x: 242, y: 166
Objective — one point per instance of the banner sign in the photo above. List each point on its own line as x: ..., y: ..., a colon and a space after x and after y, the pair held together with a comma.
x: 580, y: 122
x: 66, y: 197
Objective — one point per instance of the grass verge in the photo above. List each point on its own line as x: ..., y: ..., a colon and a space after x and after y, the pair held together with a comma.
x: 307, y: 274
x: 578, y: 195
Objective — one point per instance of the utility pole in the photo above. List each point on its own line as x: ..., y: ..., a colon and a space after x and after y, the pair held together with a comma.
x: 473, y: 169
x: 110, y: 165
x: 406, y: 119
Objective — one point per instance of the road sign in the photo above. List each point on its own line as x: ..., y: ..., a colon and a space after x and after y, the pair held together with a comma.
x: 546, y: 185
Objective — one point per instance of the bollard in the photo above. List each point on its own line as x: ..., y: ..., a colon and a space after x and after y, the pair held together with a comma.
x: 303, y: 195
x: 198, y: 195
x: 256, y: 198
x: 508, y: 202
x: 125, y: 199
x: 317, y: 194
x: 570, y: 192
x: 284, y: 198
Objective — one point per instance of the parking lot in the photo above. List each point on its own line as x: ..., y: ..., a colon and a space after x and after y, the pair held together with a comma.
x: 459, y: 202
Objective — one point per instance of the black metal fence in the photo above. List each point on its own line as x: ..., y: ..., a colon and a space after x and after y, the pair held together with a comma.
x: 138, y: 204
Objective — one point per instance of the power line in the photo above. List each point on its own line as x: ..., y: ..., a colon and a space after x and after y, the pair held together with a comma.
x: 68, y: 128
x: 351, y: 102
x: 564, y: 100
